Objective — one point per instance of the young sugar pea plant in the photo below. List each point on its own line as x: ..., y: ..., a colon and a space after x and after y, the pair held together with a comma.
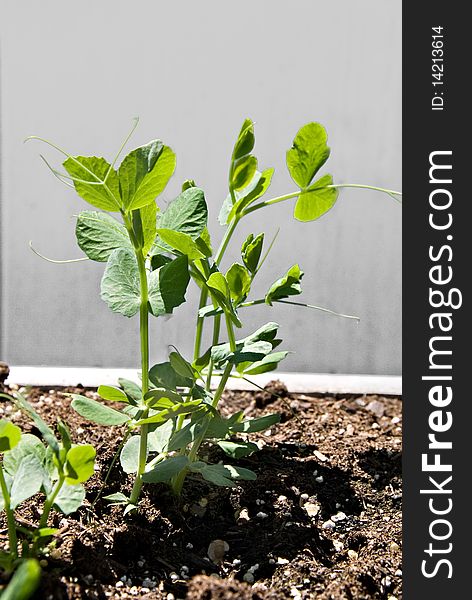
x: 151, y: 255
x: 52, y: 466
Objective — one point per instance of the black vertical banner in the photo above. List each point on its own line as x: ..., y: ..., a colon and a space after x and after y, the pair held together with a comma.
x: 437, y: 212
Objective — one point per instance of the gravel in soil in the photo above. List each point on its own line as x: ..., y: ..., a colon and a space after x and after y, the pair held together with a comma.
x: 322, y: 520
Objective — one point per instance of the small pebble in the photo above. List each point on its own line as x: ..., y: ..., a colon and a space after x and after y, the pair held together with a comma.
x: 217, y: 550
x: 328, y: 525
x: 236, y: 562
x: 189, y: 546
x: 88, y: 579
x: 338, y: 545
x: 340, y: 516
x: 282, y: 561
x: 149, y: 583
x: 352, y: 554
x: 320, y: 456
x: 319, y: 479
x: 243, y: 515
x: 259, y: 502
x: 249, y: 577
x: 395, y: 420
x: 262, y: 515
x: 119, y: 584
x: 271, y: 561
x: 170, y: 596
x: 337, y: 505
x: 398, y: 573
x: 312, y: 509
x: 174, y: 576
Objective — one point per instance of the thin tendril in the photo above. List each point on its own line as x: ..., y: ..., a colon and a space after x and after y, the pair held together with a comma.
x: 57, y: 262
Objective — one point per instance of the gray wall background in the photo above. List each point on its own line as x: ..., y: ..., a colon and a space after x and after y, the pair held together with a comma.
x: 192, y: 70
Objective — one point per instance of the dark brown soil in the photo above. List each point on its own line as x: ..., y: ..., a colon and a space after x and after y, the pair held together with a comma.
x: 323, y: 519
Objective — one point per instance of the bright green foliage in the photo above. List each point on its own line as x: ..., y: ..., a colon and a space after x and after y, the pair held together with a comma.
x: 98, y: 234
x: 95, y: 181
x: 24, y: 582
x: 151, y: 256
x: 29, y: 467
x: 144, y: 174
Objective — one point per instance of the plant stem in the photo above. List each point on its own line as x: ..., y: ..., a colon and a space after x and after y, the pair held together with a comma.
x: 50, y: 501
x: 12, y: 539
x: 144, y: 338
x: 204, y: 293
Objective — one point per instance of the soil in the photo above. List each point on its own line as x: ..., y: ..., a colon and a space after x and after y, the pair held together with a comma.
x: 322, y: 520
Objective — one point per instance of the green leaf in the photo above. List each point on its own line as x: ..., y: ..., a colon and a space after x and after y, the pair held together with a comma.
x: 28, y: 445
x: 243, y: 172
x: 251, y: 348
x: 188, y: 183
x: 96, y: 412
x: 79, y: 465
x: 181, y: 366
x: 173, y: 411
x: 316, y: 200
x: 117, y: 498
x: 185, y: 436
x: 288, y: 285
x: 98, y: 234
x: 251, y: 251
x: 95, y: 181
x: 10, y: 435
x: 218, y: 475
x: 181, y: 242
x: 163, y: 375
x: 220, y: 292
x: 70, y: 498
x: 308, y: 153
x: 108, y: 392
x: 238, y: 449
x: 131, y: 389
x: 167, y: 286
x: 129, y: 456
x: 144, y: 174
x: 239, y: 282
x: 188, y: 213
x: 27, y: 481
x: 24, y: 582
x: 165, y: 470
x: 245, y: 197
x: 47, y: 433
x: 120, y: 287
x: 159, y: 438
x: 65, y: 434
x: 246, y: 140
x: 148, y: 220
x: 204, y: 243
x: 258, y: 424
x: 153, y: 397
x: 268, y: 363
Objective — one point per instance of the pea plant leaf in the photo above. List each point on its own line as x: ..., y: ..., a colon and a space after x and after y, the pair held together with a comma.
x: 120, y: 287
x: 288, y: 285
x: 188, y: 213
x: 243, y: 163
x: 316, y: 200
x: 113, y: 394
x: 28, y: 445
x: 252, y: 348
x: 257, y: 424
x: 221, y: 293
x: 97, y: 412
x: 148, y: 219
x: 165, y: 470
x: 251, y: 251
x: 266, y: 364
x: 256, y: 188
x: 239, y: 282
x: 167, y: 286
x: 308, y: 153
x: 129, y: 456
x: 70, y: 498
x: 98, y: 234
x: 79, y: 464
x: 95, y: 181
x: 27, y: 481
x: 238, y: 449
x: 144, y: 174
x: 182, y: 242
x: 164, y: 375
x: 10, y: 435
x: 132, y: 390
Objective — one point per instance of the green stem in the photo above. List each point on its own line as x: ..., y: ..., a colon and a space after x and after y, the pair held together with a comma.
x: 12, y: 539
x: 50, y: 501
x: 144, y: 339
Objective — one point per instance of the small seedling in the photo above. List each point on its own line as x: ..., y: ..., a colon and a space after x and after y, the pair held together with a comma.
x: 151, y: 256
x: 57, y: 468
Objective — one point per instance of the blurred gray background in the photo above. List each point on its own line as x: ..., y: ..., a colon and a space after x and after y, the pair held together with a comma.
x: 193, y: 70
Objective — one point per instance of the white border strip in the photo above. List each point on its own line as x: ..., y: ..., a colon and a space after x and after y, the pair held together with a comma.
x: 305, y: 383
